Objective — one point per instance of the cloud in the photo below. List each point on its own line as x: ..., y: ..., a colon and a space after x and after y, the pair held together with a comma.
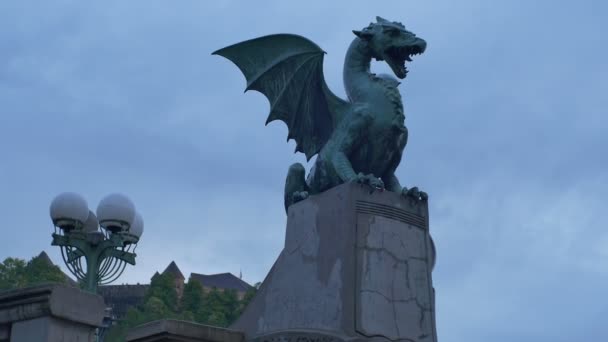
x: 505, y: 113
x: 521, y: 258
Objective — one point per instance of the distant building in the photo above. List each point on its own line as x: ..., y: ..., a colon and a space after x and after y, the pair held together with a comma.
x: 123, y: 297
x: 173, y: 270
x: 221, y: 281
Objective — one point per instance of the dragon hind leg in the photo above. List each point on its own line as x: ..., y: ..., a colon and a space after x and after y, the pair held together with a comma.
x: 296, y: 188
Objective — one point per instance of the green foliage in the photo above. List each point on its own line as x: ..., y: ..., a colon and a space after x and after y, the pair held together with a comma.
x: 193, y: 297
x: 162, y: 287
x: 17, y: 273
x: 215, y: 307
x: 39, y: 270
x: 248, y: 297
x: 231, y: 305
x: 193, y: 301
x: 12, y: 273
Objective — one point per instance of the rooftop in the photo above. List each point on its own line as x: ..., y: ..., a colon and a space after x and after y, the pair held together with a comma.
x: 174, y: 270
x: 221, y: 280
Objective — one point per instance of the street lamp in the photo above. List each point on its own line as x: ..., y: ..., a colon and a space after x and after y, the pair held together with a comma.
x: 96, y: 248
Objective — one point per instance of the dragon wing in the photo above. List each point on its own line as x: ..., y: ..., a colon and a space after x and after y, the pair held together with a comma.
x: 288, y: 70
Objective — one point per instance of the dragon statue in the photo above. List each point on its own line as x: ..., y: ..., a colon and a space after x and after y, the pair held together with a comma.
x: 359, y: 140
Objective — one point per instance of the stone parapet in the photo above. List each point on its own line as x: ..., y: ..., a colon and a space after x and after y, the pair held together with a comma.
x: 169, y: 330
x: 49, y: 313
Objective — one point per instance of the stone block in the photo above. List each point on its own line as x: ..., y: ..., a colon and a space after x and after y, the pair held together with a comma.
x: 356, y: 266
x: 50, y: 313
x: 169, y: 330
x: 5, y: 332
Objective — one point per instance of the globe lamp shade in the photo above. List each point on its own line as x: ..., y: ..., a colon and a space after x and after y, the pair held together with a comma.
x: 137, y: 228
x: 69, y: 211
x: 91, y: 224
x: 116, y: 213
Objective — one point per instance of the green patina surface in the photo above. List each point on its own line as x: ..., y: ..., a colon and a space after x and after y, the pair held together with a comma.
x: 95, y: 250
x: 356, y: 140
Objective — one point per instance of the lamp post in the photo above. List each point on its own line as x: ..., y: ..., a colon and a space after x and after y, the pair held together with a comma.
x: 96, y: 248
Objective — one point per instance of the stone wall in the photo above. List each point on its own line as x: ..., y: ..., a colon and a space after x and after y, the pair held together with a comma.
x: 123, y: 297
x: 169, y: 330
x: 50, y: 313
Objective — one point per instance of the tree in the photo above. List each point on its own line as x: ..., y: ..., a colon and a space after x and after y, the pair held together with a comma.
x: 155, y: 308
x: 17, y: 273
x: 192, y: 302
x: 230, y: 302
x: 162, y: 286
x: 216, y: 307
x: 38, y: 270
x: 214, y: 312
x: 247, y: 298
x: 12, y: 274
x: 160, y: 302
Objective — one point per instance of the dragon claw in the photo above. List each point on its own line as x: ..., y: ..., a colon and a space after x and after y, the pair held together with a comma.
x: 415, y: 194
x: 372, y: 181
x: 299, y: 196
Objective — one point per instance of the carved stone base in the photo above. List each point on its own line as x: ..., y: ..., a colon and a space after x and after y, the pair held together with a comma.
x: 49, y: 313
x: 356, y: 266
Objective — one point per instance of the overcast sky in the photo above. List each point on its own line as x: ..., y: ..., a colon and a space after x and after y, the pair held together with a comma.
x: 506, y: 113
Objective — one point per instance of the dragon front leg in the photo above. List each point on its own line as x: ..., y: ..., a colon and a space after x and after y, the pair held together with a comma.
x: 392, y: 184
x: 350, y: 135
x: 346, y: 173
x: 296, y: 188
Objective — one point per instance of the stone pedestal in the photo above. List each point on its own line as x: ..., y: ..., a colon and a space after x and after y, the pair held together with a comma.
x: 49, y: 313
x: 356, y: 266
x: 169, y: 330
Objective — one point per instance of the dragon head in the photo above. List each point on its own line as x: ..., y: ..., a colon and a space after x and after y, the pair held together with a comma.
x: 391, y: 42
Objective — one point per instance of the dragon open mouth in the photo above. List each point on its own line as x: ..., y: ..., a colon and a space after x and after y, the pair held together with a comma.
x: 397, y: 56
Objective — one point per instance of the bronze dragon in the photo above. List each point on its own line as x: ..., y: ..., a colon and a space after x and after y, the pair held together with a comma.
x: 359, y: 140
